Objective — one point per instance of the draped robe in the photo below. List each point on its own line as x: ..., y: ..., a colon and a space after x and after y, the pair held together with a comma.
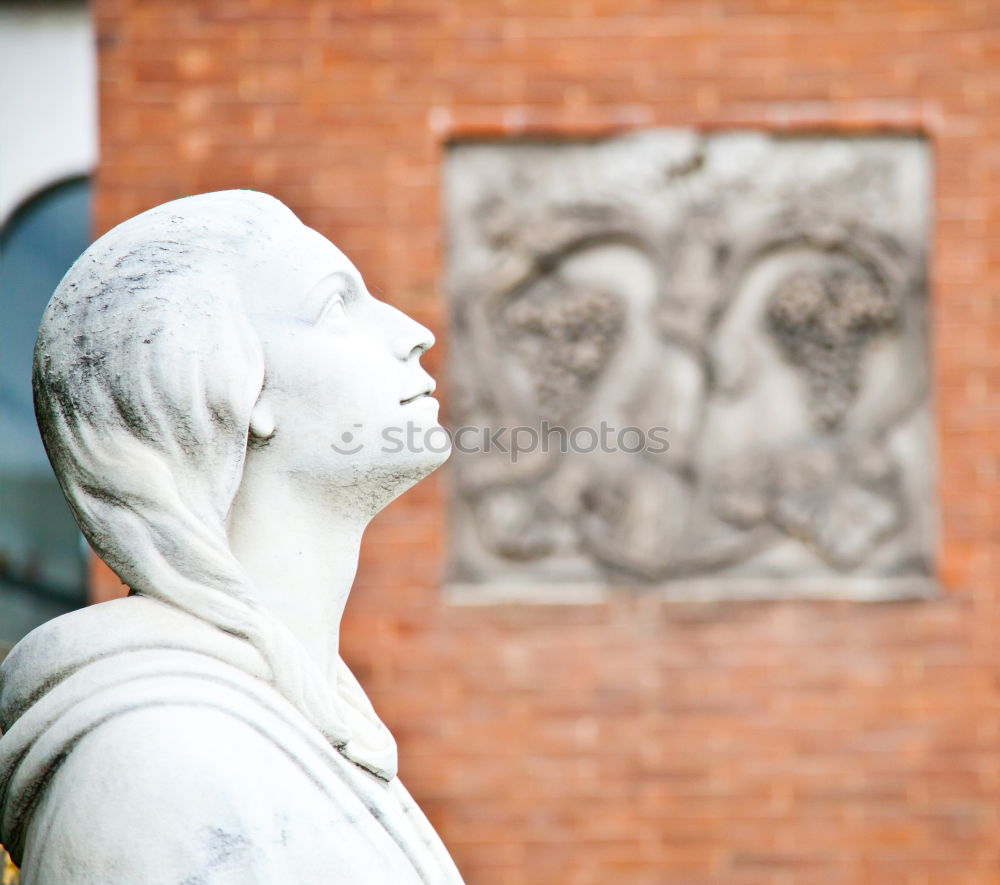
x: 143, y: 745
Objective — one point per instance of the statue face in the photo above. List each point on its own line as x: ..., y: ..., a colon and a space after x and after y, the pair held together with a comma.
x: 350, y: 405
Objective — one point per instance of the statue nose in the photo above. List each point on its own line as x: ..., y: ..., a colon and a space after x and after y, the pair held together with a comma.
x: 411, y: 339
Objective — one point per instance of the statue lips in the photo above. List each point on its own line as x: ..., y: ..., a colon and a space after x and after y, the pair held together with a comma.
x: 426, y: 392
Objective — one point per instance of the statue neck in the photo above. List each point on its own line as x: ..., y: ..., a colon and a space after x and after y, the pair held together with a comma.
x: 301, y: 555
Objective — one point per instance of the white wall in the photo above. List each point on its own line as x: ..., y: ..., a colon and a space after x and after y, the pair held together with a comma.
x: 48, y: 98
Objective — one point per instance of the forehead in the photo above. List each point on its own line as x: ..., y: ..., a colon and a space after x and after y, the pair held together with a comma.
x: 292, y: 274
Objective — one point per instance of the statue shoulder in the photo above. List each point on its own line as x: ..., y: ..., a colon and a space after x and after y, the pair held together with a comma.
x: 162, y: 752
x: 59, y: 649
x: 197, y: 795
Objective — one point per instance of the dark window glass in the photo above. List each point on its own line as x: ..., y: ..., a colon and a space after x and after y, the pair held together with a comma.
x: 42, y: 561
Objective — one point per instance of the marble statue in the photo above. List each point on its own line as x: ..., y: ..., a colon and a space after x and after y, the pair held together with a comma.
x: 198, y: 375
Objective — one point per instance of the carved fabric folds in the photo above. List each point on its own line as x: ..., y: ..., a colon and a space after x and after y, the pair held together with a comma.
x: 137, y: 653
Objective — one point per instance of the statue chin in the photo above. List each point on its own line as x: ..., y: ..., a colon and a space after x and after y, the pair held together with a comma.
x: 431, y: 448
x: 370, y: 486
x: 409, y: 471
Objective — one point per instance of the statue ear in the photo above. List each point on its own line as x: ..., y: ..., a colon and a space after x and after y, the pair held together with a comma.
x: 261, y: 422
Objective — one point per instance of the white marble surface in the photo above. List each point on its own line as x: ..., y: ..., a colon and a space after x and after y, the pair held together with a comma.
x: 213, y: 384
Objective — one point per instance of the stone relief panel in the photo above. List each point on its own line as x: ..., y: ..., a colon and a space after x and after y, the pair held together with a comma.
x: 744, y: 319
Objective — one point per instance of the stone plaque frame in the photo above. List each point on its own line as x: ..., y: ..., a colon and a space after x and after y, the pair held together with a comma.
x: 761, y: 299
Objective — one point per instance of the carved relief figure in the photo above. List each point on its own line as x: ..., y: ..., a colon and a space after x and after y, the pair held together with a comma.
x: 761, y: 298
x: 797, y: 455
x: 196, y: 374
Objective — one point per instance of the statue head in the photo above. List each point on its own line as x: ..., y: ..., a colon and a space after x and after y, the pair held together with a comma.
x: 196, y: 338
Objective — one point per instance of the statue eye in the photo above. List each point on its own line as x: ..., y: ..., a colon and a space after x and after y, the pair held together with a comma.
x: 332, y: 298
x: 335, y: 310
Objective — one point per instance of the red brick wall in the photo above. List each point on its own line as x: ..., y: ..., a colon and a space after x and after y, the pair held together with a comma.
x: 635, y: 742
